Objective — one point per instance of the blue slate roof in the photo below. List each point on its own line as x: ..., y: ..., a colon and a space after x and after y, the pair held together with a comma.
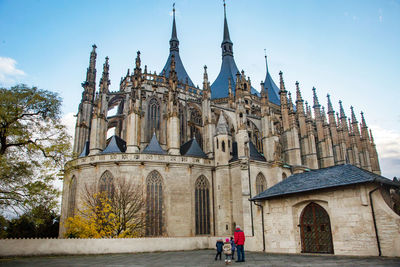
x: 154, y: 147
x: 273, y: 90
x: 174, y: 50
x: 192, y: 149
x: 336, y: 176
x: 219, y: 87
x: 114, y: 145
x: 179, y: 68
x: 85, y: 151
x: 254, y: 154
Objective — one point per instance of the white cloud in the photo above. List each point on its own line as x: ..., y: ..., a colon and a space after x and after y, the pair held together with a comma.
x: 9, y: 74
x: 388, y: 146
x: 69, y: 120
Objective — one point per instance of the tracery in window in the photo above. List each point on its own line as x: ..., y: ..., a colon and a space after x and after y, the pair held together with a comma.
x: 202, y: 206
x: 154, y: 204
x: 261, y: 183
x: 72, y: 197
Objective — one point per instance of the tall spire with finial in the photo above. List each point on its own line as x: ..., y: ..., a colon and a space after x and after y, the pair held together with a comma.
x: 226, y: 44
x: 174, y: 50
x: 174, y: 42
x: 219, y: 88
x: 269, y: 84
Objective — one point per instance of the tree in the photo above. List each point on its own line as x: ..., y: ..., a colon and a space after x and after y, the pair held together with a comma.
x: 33, y: 147
x: 38, y: 223
x: 115, y: 213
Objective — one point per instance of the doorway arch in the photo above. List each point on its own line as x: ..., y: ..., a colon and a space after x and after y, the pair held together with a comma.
x: 315, y: 230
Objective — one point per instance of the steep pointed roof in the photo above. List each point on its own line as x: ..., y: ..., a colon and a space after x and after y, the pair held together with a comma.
x: 219, y: 88
x: 114, y: 145
x: 85, y: 150
x: 269, y: 84
x: 192, y: 149
x: 222, y: 125
x: 227, y: 38
x: 154, y: 147
x: 174, y: 51
x: 254, y: 154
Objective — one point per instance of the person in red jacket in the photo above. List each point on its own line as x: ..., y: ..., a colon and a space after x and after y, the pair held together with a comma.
x: 239, y: 241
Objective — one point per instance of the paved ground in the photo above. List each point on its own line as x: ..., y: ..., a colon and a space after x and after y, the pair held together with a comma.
x: 197, y: 258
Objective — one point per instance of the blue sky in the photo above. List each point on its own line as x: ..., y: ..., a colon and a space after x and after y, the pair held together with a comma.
x: 347, y: 48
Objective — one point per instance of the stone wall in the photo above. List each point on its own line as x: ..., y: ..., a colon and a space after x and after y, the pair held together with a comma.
x: 30, y: 247
x: 388, y: 226
x: 350, y: 217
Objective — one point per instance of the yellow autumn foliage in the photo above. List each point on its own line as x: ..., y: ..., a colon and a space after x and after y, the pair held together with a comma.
x: 97, y: 221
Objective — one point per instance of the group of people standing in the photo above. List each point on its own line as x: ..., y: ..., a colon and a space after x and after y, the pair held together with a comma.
x: 230, y: 245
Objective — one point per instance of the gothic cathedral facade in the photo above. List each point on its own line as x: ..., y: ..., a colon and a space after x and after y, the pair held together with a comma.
x: 200, y: 154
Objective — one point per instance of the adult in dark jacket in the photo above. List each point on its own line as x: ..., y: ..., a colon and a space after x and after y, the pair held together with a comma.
x: 219, y: 246
x: 239, y: 241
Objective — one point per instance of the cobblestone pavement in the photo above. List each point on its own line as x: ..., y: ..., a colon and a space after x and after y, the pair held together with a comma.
x: 197, y: 258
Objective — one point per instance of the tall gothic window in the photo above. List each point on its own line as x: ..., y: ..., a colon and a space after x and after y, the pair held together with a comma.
x: 202, y: 206
x: 195, y: 124
x: 154, y: 116
x: 106, y: 183
x: 261, y: 183
x: 182, y: 121
x: 154, y: 205
x: 72, y: 197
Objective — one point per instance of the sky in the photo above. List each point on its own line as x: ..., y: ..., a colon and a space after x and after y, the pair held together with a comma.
x: 347, y: 48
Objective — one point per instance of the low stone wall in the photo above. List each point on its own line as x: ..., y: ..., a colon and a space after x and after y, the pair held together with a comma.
x: 29, y: 247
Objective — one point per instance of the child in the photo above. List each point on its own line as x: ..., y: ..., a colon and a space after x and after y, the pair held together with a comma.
x: 233, y: 248
x: 227, y: 251
x: 219, y: 246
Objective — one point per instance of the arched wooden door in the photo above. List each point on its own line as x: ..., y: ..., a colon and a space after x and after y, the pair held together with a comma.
x: 315, y: 228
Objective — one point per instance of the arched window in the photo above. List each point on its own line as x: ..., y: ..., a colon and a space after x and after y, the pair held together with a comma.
x: 315, y: 230
x: 154, y: 205
x: 261, y: 183
x: 154, y: 116
x: 202, y: 206
x: 183, y: 122
x: 223, y: 146
x: 195, y: 124
x: 106, y: 184
x: 72, y: 197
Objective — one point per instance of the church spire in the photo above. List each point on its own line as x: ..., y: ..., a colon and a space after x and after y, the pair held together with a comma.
x: 89, y: 84
x: 226, y: 44
x: 105, y: 81
x: 181, y: 73
x: 174, y: 42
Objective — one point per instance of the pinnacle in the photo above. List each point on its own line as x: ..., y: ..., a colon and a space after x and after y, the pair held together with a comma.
x: 342, y: 114
x: 298, y: 93
x: 315, y: 98
x: 363, y: 123
x: 222, y: 125
x: 353, y: 116
x: 330, y: 108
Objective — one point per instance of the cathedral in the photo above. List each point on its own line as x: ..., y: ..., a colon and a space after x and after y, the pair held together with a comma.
x: 207, y: 158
